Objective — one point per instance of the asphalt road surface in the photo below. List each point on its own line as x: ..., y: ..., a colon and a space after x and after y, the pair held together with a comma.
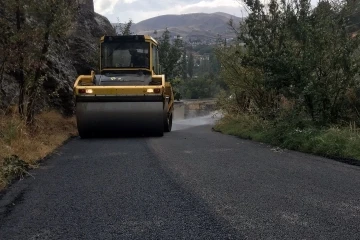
x: 190, y: 184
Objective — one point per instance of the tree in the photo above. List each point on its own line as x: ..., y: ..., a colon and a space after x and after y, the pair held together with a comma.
x: 33, y: 26
x: 53, y: 20
x: 170, y: 54
x: 292, y: 51
x: 4, y: 50
x: 214, y: 64
x: 14, y: 44
x: 204, y: 86
x: 191, y: 65
x: 124, y: 29
x: 170, y: 58
x: 184, y: 61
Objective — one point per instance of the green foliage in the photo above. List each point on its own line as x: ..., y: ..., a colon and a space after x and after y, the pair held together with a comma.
x: 304, y: 55
x: 203, y: 49
x: 353, y: 19
x: 205, y: 86
x: 32, y: 27
x: 184, y: 65
x: 13, y: 167
x: 293, y: 77
x: 328, y: 142
x: 124, y: 28
x: 190, y: 68
x: 202, y: 76
x: 54, y: 19
x: 176, y: 82
x: 170, y: 53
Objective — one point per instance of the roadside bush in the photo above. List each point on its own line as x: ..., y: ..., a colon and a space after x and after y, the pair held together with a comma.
x: 13, y: 167
x: 328, y: 142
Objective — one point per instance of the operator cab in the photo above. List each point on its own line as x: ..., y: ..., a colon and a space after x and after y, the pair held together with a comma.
x: 134, y: 52
x: 128, y: 60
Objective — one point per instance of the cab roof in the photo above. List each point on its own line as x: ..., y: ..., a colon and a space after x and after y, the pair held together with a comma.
x: 127, y: 38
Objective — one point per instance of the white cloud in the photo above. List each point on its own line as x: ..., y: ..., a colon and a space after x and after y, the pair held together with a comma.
x: 105, y: 7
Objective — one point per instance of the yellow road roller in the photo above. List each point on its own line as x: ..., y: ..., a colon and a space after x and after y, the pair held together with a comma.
x: 129, y: 94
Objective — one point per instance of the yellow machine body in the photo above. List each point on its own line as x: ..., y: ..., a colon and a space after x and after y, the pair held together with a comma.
x: 129, y: 94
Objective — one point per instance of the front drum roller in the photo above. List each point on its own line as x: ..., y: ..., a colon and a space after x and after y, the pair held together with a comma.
x: 119, y: 118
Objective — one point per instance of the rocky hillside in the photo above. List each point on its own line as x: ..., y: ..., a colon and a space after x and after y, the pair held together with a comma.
x: 75, y: 55
x: 189, y: 26
x: 83, y: 47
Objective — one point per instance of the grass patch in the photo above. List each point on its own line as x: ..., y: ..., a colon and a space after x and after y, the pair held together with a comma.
x: 21, y: 148
x: 334, y: 142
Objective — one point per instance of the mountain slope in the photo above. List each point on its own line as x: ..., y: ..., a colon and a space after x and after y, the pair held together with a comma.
x: 189, y: 26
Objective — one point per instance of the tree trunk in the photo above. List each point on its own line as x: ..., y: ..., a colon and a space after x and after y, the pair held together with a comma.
x: 21, y: 81
x: 2, y: 91
x: 20, y: 71
x: 34, y: 85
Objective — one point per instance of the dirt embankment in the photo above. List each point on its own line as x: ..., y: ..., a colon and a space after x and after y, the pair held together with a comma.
x: 22, y: 148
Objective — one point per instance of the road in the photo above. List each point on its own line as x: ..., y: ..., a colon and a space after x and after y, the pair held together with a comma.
x: 190, y: 184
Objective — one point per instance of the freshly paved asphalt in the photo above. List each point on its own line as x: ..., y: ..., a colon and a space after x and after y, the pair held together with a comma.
x: 190, y: 184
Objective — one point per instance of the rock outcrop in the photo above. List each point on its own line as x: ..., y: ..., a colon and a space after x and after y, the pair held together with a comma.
x: 82, y: 51
x: 78, y: 54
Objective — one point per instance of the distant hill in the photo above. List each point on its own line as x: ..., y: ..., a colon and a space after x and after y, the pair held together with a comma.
x: 201, y: 26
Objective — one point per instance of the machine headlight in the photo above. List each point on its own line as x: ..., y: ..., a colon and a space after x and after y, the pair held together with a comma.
x: 155, y: 90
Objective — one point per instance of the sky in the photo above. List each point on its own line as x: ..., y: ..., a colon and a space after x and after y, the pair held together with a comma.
x: 138, y: 10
